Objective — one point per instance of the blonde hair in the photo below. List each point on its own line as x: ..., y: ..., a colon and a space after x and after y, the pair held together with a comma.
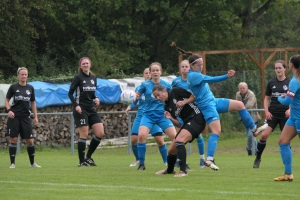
x: 21, y: 68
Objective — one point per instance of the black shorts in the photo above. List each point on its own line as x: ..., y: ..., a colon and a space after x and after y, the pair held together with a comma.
x: 88, y: 117
x: 195, y: 125
x: 20, y: 126
x: 273, y: 123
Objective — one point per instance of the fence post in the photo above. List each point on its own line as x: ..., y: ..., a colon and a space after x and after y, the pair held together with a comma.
x: 72, y: 134
x: 129, y: 133
x: 18, y: 145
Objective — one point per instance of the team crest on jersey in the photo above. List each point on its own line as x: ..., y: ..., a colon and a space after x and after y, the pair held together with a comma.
x: 285, y: 87
x: 28, y: 92
x: 174, y: 101
x: 93, y: 82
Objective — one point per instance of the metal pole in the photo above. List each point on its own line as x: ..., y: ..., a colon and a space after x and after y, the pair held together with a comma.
x: 18, y: 145
x: 190, y: 148
x: 244, y: 76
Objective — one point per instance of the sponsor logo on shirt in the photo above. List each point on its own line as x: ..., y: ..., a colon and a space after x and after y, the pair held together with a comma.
x: 89, y: 88
x: 22, y: 98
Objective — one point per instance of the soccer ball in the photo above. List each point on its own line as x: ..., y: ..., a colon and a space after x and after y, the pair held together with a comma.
x: 127, y: 96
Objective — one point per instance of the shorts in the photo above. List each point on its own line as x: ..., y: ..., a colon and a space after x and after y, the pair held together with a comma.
x: 162, y: 122
x: 295, y: 123
x: 210, y: 113
x: 88, y: 117
x: 273, y: 123
x: 155, y: 131
x: 222, y: 105
x: 20, y: 126
x: 195, y: 125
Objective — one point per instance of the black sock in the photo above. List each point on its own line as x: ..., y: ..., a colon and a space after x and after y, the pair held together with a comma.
x: 260, y: 148
x: 171, y: 162
x: 81, y: 149
x: 31, y: 151
x: 181, y: 154
x: 12, y: 152
x: 93, y: 146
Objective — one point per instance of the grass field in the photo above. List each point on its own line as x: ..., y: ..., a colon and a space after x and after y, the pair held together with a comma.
x: 60, y: 178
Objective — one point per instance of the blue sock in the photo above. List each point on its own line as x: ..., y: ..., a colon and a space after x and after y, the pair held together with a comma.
x: 212, y: 144
x: 200, y: 144
x: 164, y: 152
x: 247, y: 119
x: 286, y: 156
x: 135, y: 151
x: 141, y: 148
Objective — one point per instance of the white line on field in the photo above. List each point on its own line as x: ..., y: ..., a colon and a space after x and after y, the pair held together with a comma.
x: 85, y: 186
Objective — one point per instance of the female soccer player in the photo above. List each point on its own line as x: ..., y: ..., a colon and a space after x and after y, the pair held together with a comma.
x: 292, y: 125
x: 156, y: 131
x: 193, y: 124
x: 153, y: 113
x: 211, y: 106
x: 275, y: 112
x: 19, y: 121
x: 181, y: 81
x: 85, y: 115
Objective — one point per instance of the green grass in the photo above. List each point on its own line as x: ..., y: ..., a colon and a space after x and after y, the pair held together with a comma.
x: 60, y: 178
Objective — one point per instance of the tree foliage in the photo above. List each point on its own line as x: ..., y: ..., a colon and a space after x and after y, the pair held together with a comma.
x: 125, y: 36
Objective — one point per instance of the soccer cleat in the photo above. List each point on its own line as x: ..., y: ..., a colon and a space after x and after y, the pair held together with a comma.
x: 180, y: 174
x: 254, y: 130
x: 141, y: 167
x: 187, y: 168
x: 164, y: 171
x: 211, y: 164
x: 35, y: 165
x: 90, y: 161
x: 285, y: 177
x: 12, y: 166
x: 166, y: 164
x: 256, y: 163
x: 202, y: 161
x: 260, y: 129
x: 249, y: 152
x: 135, y: 163
x: 84, y: 164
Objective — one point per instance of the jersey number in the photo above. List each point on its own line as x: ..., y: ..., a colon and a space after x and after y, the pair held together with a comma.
x: 82, y: 121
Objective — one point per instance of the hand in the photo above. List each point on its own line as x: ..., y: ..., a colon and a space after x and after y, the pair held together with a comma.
x: 97, y: 102
x: 287, y: 113
x: 180, y: 104
x: 137, y: 95
x: 167, y: 115
x: 283, y: 96
x: 36, y: 121
x: 127, y: 110
x: 11, y: 114
x: 231, y: 73
x: 268, y: 115
x: 78, y: 109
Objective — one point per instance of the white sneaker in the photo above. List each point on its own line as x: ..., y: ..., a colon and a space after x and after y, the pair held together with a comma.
x: 166, y: 164
x: 135, y: 163
x: 260, y: 129
x: 12, y: 166
x: 35, y: 165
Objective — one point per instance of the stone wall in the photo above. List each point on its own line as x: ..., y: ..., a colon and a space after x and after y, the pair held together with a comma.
x: 55, y: 130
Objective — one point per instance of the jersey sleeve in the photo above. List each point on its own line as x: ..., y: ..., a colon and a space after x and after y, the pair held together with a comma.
x: 195, y: 79
x: 268, y: 89
x: 32, y: 98
x: 293, y: 88
x: 214, y: 79
x: 73, y: 87
x: 10, y: 92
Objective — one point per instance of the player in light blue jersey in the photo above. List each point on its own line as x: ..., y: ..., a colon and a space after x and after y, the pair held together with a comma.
x: 153, y: 112
x: 156, y: 131
x: 292, y: 126
x: 211, y: 106
x: 181, y: 81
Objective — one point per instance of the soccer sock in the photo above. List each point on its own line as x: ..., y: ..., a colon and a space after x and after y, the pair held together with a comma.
x: 12, y: 152
x: 81, y: 149
x: 163, y: 152
x: 31, y: 151
x: 260, y: 148
x: 200, y: 144
x: 247, y: 119
x: 212, y: 145
x: 135, y: 151
x: 181, y: 154
x: 93, y: 146
x: 287, y: 158
x: 171, y: 162
x: 141, y: 147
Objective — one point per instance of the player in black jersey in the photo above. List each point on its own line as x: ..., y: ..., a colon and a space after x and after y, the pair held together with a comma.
x: 191, y: 117
x: 19, y: 121
x: 85, y: 115
x: 275, y: 112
